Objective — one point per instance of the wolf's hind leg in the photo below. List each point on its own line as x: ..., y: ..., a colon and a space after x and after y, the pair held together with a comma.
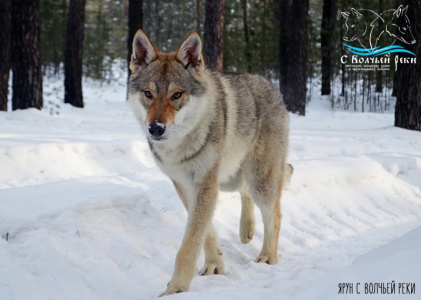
x: 265, y: 181
x: 247, y: 217
x: 271, y: 215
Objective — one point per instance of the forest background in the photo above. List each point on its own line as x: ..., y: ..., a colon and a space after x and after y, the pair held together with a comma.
x: 265, y: 37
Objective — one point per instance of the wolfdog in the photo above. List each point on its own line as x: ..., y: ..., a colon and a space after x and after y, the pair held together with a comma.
x: 210, y: 131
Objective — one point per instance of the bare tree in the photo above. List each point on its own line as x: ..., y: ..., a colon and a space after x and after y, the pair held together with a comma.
x: 213, y: 38
x: 5, y: 38
x: 26, y: 55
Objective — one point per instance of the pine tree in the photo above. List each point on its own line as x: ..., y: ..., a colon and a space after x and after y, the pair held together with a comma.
x: 26, y: 55
x: 292, y: 53
x: 213, y: 38
x: 135, y: 23
x: 73, y: 54
x: 327, y: 46
x: 246, y: 36
x: 53, y: 27
x: 5, y: 38
x: 408, y: 97
x: 198, y: 16
x: 379, y: 74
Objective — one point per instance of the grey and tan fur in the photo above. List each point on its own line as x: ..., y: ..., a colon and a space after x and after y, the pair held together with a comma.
x: 209, y: 131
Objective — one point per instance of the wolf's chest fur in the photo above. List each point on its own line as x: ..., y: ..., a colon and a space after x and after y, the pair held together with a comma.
x: 223, y: 134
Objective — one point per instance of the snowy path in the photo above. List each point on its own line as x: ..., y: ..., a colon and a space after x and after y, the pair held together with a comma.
x: 89, y: 216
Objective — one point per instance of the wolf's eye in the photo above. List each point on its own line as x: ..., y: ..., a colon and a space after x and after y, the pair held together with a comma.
x: 148, y: 94
x: 404, y: 28
x: 176, y: 96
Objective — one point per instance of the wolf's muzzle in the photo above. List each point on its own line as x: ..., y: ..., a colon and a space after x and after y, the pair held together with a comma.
x: 156, y: 129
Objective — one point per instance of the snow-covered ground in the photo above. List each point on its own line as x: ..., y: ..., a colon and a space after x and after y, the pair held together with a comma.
x: 88, y: 215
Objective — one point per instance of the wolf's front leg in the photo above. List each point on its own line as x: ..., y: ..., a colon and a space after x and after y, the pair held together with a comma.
x: 200, y: 212
x: 213, y: 255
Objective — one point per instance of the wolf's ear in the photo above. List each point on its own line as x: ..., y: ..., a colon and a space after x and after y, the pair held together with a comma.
x: 356, y: 13
x: 345, y: 14
x: 405, y: 10
x: 143, y: 51
x: 190, y: 53
x: 398, y: 12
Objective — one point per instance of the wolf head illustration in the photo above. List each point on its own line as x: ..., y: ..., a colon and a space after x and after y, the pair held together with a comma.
x: 400, y: 27
x: 356, y: 25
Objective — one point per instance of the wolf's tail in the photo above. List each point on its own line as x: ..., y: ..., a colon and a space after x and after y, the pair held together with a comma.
x: 288, y: 173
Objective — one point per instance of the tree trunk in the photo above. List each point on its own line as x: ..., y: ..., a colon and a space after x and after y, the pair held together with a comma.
x: 73, y: 54
x: 379, y: 74
x: 157, y: 41
x: 327, y: 45
x: 26, y: 55
x: 408, y: 96
x: 5, y: 38
x: 293, y: 17
x: 395, y: 80
x: 135, y: 23
x: 213, y: 37
x: 198, y: 15
x: 246, y: 36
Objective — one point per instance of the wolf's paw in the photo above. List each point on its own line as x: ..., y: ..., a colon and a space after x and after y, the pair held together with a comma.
x: 246, y: 233
x: 246, y: 227
x: 213, y: 268
x: 270, y: 260
x: 172, y: 290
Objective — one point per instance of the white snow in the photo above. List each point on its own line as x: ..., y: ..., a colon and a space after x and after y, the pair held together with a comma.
x: 88, y: 215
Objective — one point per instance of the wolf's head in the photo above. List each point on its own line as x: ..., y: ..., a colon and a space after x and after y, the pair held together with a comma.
x: 165, y: 89
x: 400, y: 27
x: 355, y: 25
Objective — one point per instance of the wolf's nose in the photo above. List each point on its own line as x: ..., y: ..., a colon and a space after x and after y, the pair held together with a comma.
x: 156, y: 129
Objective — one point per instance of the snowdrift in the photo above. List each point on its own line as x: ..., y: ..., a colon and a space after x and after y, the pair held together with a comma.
x: 86, y: 214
